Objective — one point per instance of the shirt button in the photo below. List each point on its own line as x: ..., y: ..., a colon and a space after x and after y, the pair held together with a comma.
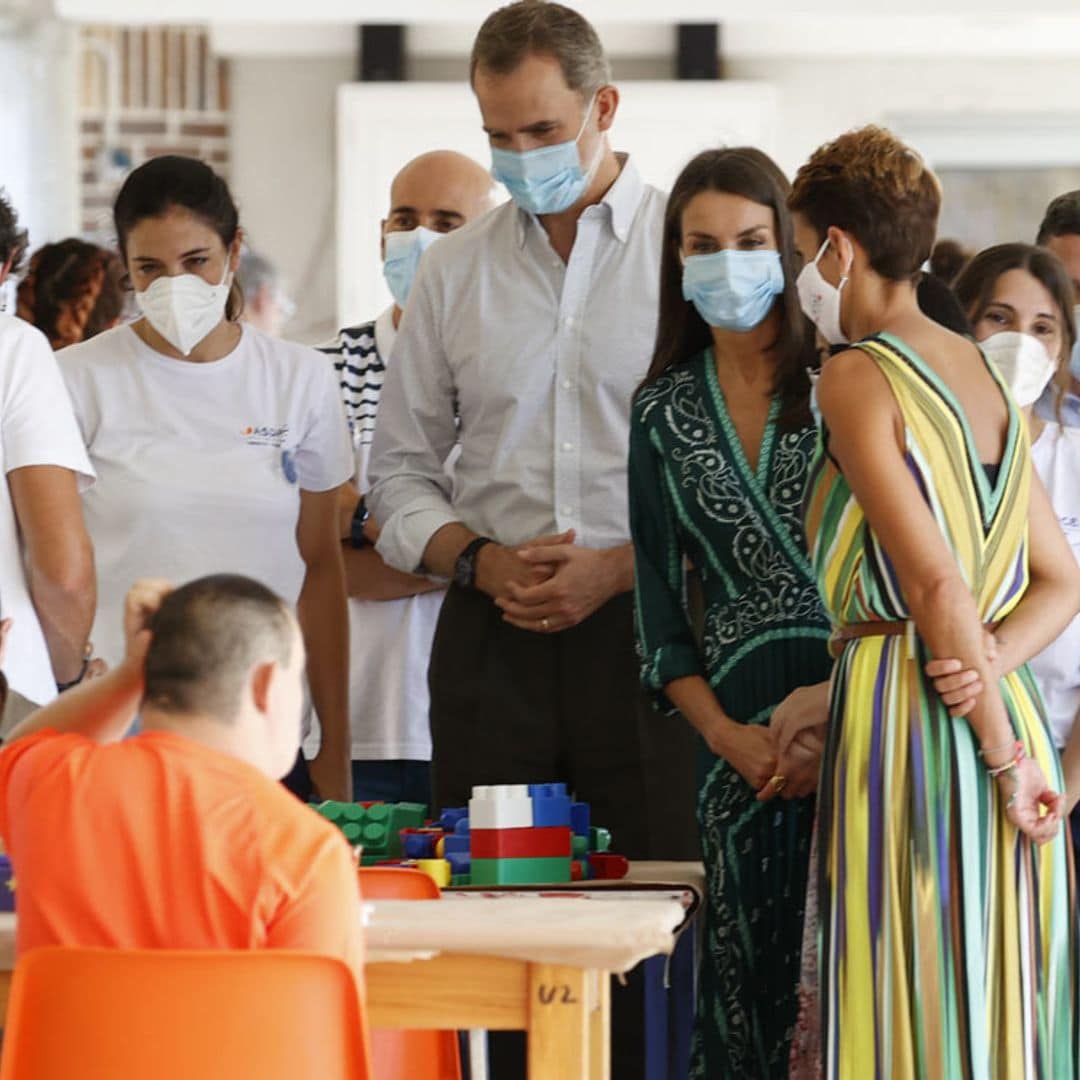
x: 567, y: 446
x: 568, y: 322
x: 568, y: 384
x: 566, y: 511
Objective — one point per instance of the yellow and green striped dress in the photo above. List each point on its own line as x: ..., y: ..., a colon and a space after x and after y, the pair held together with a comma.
x: 947, y: 941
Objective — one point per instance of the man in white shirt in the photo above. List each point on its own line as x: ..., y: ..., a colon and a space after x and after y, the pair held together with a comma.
x: 393, y: 614
x: 1059, y: 232
x: 46, y: 560
x: 532, y: 328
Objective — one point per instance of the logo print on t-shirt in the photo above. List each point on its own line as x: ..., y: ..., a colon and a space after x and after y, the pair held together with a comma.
x: 263, y: 435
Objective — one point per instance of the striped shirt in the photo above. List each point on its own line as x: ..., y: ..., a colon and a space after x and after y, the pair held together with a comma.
x: 361, y: 368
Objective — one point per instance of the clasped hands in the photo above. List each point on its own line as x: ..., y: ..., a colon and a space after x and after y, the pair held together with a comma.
x: 548, y: 584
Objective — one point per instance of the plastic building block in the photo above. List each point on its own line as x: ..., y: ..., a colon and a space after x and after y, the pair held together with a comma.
x: 521, y: 843
x: 581, y: 846
x: 608, y: 867
x: 599, y: 839
x: 448, y: 819
x: 458, y: 880
x: 577, y: 871
x: 579, y: 818
x: 366, y: 825
x: 437, y: 869
x: 520, y: 871
x: 453, y: 844
x: 551, y: 805
x: 501, y: 806
x: 418, y: 843
x: 459, y: 864
x: 462, y: 827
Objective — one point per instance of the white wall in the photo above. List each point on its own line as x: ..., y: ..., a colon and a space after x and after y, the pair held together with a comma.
x: 39, y: 126
x: 283, y: 174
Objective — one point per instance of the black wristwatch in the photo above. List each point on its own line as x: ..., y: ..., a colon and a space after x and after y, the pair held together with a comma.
x: 465, y: 565
x: 357, y: 536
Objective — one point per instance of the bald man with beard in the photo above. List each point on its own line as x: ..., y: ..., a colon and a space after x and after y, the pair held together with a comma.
x: 393, y: 615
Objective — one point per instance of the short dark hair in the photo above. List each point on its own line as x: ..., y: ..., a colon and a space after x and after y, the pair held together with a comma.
x: 170, y: 181
x: 947, y: 259
x: 207, y: 635
x: 681, y: 332
x: 870, y: 184
x: 975, y: 285
x: 1062, y: 217
x: 13, y: 239
x: 540, y: 28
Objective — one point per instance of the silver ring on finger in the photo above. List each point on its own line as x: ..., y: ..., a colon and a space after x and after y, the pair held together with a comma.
x: 545, y: 624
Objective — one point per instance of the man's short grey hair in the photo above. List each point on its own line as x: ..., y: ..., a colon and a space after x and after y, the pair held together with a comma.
x: 1062, y: 217
x: 256, y: 271
x: 538, y: 27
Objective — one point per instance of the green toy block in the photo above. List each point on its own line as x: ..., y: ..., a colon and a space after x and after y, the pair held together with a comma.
x: 599, y: 839
x: 520, y: 871
x: 581, y: 847
x: 369, y: 826
x: 403, y: 816
x: 460, y: 879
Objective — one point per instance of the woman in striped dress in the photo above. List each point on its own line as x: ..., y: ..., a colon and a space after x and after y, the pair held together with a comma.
x: 947, y: 921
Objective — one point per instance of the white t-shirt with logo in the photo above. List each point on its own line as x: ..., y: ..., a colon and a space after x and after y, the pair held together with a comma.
x: 391, y: 639
x: 1056, y: 669
x: 200, y: 466
x: 36, y: 428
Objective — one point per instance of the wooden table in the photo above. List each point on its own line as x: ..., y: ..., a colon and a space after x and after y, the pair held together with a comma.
x: 540, y: 965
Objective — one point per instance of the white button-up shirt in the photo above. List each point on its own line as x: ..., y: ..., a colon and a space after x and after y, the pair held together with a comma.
x: 541, y: 359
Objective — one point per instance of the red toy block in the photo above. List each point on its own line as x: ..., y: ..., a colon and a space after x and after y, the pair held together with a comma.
x: 608, y: 867
x: 550, y: 843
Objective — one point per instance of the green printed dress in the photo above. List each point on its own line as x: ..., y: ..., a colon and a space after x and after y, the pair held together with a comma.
x: 694, y: 497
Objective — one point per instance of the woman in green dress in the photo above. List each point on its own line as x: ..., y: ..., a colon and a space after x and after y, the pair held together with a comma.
x: 720, y: 447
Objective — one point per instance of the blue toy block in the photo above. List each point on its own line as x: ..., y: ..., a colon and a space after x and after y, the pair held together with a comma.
x: 418, y: 845
x: 455, y: 844
x: 547, y: 791
x: 551, y: 805
x: 448, y: 819
x: 462, y: 826
x: 460, y: 863
x: 579, y: 818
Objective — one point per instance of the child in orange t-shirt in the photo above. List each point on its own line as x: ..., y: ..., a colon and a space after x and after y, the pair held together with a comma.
x: 178, y: 837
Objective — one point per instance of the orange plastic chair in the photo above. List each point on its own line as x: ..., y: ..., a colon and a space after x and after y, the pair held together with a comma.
x: 117, y: 1014
x: 407, y: 1055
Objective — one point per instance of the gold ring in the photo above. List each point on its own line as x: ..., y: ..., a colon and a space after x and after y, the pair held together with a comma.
x: 778, y: 782
x: 545, y: 625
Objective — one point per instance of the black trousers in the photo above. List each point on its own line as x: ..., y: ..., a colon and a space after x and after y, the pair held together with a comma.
x: 513, y: 707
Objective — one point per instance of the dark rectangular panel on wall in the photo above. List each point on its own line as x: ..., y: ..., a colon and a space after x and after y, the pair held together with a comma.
x: 698, y: 51
x: 382, y: 53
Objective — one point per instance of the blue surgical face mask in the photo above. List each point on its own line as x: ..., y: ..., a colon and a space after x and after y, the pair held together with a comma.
x: 1074, y: 360
x: 733, y: 290
x: 403, y: 251
x: 549, y: 179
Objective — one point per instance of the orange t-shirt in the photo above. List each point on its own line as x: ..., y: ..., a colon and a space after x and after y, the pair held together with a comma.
x: 161, y: 842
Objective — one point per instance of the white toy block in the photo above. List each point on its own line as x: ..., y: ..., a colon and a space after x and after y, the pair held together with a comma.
x: 500, y: 806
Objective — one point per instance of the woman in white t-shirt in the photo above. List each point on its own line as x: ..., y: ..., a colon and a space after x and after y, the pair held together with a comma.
x: 217, y: 448
x: 1020, y: 302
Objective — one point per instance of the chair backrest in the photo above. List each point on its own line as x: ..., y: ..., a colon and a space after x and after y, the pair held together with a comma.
x: 397, y: 883
x: 110, y: 1014
x: 408, y: 1055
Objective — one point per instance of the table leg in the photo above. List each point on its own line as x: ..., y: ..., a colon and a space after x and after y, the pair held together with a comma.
x: 560, y: 1000
x: 600, y: 1028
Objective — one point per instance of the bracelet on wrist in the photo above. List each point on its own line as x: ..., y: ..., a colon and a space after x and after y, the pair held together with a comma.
x: 1010, y: 765
x: 88, y: 652
x: 984, y: 751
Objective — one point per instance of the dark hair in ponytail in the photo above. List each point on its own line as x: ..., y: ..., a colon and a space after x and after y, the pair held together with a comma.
x: 161, y: 184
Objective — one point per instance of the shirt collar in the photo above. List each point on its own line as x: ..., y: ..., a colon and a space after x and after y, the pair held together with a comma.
x: 385, y: 333
x: 619, y: 204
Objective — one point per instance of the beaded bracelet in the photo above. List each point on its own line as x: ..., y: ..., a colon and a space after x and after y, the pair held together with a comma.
x: 983, y: 751
x: 1013, y: 763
